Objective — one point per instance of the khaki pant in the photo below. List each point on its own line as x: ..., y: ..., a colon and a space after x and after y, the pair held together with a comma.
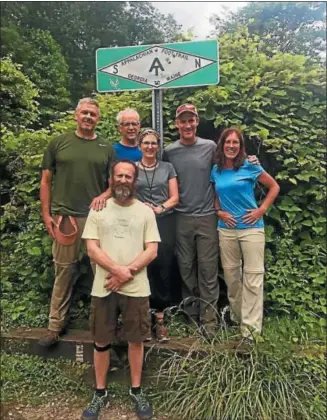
x: 66, y: 273
x: 197, y: 255
x: 245, y: 292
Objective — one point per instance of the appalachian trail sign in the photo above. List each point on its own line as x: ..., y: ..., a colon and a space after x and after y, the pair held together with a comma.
x: 157, y: 66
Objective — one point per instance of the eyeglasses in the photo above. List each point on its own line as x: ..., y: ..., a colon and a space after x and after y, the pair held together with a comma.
x: 149, y: 143
x: 127, y: 124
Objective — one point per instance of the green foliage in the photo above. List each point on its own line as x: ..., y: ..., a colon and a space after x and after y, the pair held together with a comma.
x: 18, y: 97
x: 283, y: 329
x: 294, y: 27
x: 47, y: 68
x: 264, y: 382
x: 26, y: 265
x: 81, y: 27
x: 42, y: 62
x: 30, y: 378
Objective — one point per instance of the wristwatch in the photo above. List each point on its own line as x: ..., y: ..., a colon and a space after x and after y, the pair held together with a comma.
x: 163, y: 208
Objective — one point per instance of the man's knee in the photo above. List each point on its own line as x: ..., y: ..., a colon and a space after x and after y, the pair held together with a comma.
x: 135, y: 346
x: 101, y: 347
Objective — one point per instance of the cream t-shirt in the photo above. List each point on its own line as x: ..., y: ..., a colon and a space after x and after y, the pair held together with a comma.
x: 123, y: 233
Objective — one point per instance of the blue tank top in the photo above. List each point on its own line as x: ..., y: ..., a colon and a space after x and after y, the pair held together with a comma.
x: 235, y: 190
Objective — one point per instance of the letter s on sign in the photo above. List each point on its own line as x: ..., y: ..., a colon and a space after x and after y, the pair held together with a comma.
x: 115, y: 69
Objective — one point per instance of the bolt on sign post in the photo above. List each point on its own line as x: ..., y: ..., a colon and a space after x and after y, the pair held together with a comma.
x: 157, y: 67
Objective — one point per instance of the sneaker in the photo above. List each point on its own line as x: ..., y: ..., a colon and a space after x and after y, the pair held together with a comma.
x: 147, y: 339
x: 161, y: 332
x: 142, y: 406
x: 51, y: 338
x: 93, y: 410
x: 248, y: 340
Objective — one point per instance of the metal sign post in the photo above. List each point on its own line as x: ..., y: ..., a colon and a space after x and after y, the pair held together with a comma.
x: 157, y: 117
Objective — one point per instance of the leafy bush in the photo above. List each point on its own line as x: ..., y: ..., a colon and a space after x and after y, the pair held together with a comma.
x: 47, y: 68
x: 41, y: 60
x: 18, y: 97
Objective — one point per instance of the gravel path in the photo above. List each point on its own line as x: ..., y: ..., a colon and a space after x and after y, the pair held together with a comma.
x: 61, y: 409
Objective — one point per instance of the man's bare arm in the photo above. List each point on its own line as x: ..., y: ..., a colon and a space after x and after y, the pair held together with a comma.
x: 99, y: 256
x: 141, y: 261
x: 145, y: 257
x: 253, y: 215
x: 45, y: 193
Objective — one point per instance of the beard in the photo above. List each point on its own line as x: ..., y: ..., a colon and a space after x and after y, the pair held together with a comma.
x: 122, y: 192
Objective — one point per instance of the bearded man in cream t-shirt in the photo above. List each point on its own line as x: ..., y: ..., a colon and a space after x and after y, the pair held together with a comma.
x: 122, y: 239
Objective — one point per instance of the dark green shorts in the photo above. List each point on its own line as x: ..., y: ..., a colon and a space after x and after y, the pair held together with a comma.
x: 136, y: 318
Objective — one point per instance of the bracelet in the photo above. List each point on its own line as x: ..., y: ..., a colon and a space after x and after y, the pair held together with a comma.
x: 163, y: 208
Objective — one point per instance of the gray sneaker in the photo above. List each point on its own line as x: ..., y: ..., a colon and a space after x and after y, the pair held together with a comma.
x: 93, y: 410
x: 142, y: 406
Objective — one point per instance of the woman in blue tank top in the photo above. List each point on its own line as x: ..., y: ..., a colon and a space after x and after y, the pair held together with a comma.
x: 241, y: 228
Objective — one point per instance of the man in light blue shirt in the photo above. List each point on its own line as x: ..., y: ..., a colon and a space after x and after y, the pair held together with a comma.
x: 129, y: 125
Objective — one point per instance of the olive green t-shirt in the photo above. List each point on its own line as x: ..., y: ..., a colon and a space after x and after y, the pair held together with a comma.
x: 80, y: 170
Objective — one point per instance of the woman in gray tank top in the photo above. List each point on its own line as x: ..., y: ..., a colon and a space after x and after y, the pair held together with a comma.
x: 156, y: 186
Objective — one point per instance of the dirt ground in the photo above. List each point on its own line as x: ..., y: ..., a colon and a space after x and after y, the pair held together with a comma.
x: 63, y: 409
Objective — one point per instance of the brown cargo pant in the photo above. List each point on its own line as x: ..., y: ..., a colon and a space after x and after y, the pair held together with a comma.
x: 197, y: 255
x: 66, y: 273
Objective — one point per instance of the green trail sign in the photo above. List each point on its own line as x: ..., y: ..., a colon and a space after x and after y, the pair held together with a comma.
x: 161, y: 66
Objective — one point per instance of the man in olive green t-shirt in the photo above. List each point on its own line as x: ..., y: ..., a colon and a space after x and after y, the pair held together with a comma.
x: 75, y: 172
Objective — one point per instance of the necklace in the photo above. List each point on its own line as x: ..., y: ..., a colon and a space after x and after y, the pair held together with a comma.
x: 147, y: 166
x: 146, y: 176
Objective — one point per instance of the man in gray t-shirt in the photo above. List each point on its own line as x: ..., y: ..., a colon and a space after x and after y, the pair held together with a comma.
x: 197, y: 239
